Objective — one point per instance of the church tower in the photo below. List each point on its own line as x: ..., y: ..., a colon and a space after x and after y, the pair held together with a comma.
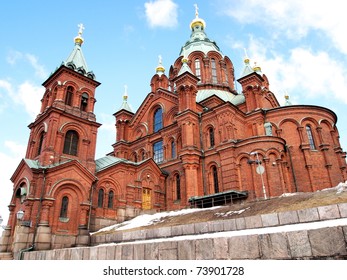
x: 53, y: 183
x: 66, y: 126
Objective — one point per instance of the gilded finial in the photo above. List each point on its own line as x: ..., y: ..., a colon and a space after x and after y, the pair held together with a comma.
x: 78, y: 39
x: 160, y: 68
x: 125, y: 94
x: 197, y: 21
x: 246, y: 60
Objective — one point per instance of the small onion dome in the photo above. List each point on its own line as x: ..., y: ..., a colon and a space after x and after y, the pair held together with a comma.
x: 286, y: 97
x: 197, y: 21
x: 257, y: 68
x: 184, y: 60
x: 160, y: 68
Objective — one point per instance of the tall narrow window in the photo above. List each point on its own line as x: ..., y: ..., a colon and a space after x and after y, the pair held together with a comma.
x: 84, y: 101
x: 214, y: 71
x: 173, y: 149
x: 68, y: 97
x: 101, y: 198
x: 39, y: 148
x: 215, y: 179
x: 310, y: 138
x: 197, y: 68
x: 158, y: 119
x: 64, y: 207
x: 178, y: 186
x: 71, y: 143
x: 158, y: 153
x: 211, y: 135
x: 110, y: 200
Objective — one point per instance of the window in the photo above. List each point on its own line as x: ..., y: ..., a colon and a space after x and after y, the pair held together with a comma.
x: 101, y: 198
x: 178, y: 186
x: 211, y: 136
x: 310, y: 137
x: 84, y: 101
x: 158, y: 154
x: 39, y: 148
x: 71, y: 143
x: 158, y: 119
x: 110, y: 200
x: 143, y: 155
x: 197, y: 68
x: 135, y: 157
x: 64, y: 207
x: 68, y: 97
x: 215, y: 179
x: 214, y: 71
x: 173, y: 149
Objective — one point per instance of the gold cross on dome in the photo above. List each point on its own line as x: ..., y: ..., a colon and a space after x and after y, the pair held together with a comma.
x: 81, y: 28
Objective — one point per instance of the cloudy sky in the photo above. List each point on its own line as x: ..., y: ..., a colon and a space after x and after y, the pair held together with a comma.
x: 300, y: 45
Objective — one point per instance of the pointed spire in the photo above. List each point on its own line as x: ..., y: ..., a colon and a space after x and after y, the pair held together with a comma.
x: 125, y: 105
x: 247, y: 69
x: 76, y: 59
x: 160, y: 68
x: 185, y: 67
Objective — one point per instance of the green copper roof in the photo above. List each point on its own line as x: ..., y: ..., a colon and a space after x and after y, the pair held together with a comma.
x: 185, y: 68
x: 247, y: 69
x: 108, y: 161
x: 77, y: 58
x: 224, y: 95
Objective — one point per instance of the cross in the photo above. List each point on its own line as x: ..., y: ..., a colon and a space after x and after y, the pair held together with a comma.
x: 81, y: 28
x: 196, y: 10
x: 160, y: 59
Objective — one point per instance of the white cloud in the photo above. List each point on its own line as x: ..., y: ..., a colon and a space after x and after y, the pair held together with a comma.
x: 304, y: 71
x: 40, y: 70
x: 294, y: 18
x: 26, y: 94
x: 14, y: 56
x: 161, y: 13
x: 14, y: 153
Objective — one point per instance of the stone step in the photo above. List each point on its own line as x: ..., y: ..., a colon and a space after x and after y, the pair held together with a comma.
x: 6, y: 256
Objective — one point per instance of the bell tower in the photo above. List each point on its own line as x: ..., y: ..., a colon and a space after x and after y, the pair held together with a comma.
x: 66, y: 127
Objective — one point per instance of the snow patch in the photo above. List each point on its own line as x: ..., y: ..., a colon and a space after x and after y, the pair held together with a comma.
x: 229, y: 213
x: 341, y: 187
x: 151, y: 219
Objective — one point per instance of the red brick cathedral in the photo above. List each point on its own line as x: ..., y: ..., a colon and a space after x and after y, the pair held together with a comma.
x: 193, y: 142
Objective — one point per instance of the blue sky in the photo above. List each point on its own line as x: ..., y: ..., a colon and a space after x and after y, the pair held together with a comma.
x: 300, y: 45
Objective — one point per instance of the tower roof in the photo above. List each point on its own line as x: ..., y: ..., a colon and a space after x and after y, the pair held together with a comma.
x: 76, y: 59
x: 125, y: 105
x: 247, y: 69
x: 198, y: 39
x: 185, y: 67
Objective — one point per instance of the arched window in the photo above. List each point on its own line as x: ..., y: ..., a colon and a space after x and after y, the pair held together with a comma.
x: 68, y: 97
x: 101, y: 198
x: 110, y: 200
x: 197, y: 68
x: 71, y: 143
x: 173, y: 149
x: 84, y: 101
x: 310, y: 138
x: 158, y: 119
x: 214, y: 71
x: 64, y: 207
x: 158, y: 152
x: 215, y: 179
x: 211, y: 136
x: 39, y: 148
x: 135, y: 157
x: 178, y: 186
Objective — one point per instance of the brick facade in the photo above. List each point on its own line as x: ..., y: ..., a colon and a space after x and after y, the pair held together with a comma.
x: 192, y: 136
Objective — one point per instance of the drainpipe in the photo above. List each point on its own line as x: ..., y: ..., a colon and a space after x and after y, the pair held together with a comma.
x: 91, y: 203
x: 203, y: 155
x: 293, y: 172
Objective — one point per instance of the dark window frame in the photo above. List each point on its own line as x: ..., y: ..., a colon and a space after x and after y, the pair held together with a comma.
x: 71, y: 143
